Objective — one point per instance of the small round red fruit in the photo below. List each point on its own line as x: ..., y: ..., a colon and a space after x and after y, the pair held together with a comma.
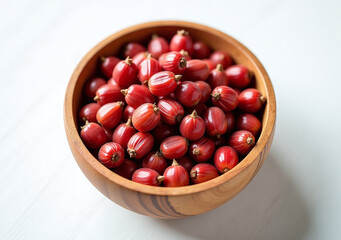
x: 155, y: 161
x: 202, y: 150
x: 93, y: 135
x: 111, y: 155
x: 196, y: 70
x: 127, y: 113
x: 217, y: 77
x: 138, y: 58
x: 201, y: 50
x: 108, y: 133
x: 171, y: 111
x: 136, y: 95
x: 147, y: 176
x: 133, y: 48
x: 175, y: 176
x: 108, y: 64
x: 88, y: 112
x: 158, y: 46
x: 188, y: 93
x: 148, y: 68
x: 140, y: 144
x: 211, y: 65
x: 174, y: 147
x: 242, y: 141
x: 249, y: 122
x: 174, y: 62
x: 203, y: 172
x: 163, y: 83
x: 123, y: 133
x: 146, y: 117
x: 186, y: 162
x: 215, y: 122
x: 225, y: 98
x: 110, y: 114
x: 126, y: 169
x: 181, y: 41
x: 91, y: 87
x: 221, y: 57
x: 192, y: 127
x: 251, y: 100
x: 125, y: 73
x: 108, y: 93
x: 238, y: 75
x: 225, y: 158
x: 205, y: 89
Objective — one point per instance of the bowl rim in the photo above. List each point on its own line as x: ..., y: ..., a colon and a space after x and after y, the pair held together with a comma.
x: 71, y: 129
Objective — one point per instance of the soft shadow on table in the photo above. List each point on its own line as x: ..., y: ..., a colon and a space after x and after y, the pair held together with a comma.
x: 270, y: 207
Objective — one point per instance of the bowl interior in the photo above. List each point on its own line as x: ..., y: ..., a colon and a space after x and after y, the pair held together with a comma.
x: 217, y: 40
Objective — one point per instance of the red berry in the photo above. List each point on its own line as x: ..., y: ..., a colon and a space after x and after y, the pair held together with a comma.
x: 217, y: 77
x: 201, y: 50
x: 108, y: 93
x: 175, y: 176
x: 186, y: 162
x: 125, y: 73
x: 110, y: 114
x: 174, y: 62
x: 155, y: 161
x: 126, y: 169
x: 249, y: 122
x: 205, y: 89
x: 225, y: 98
x: 238, y: 76
x: 219, y: 142
x: 128, y: 113
x: 242, y: 141
x: 93, y: 135
x: 221, y: 57
x: 171, y: 111
x: 188, y: 93
x: 163, y: 83
x: 181, y: 41
x: 200, y: 108
x: 111, y: 155
x: 251, y: 100
x: 196, y: 70
x: 148, y: 68
x: 230, y: 122
x: 136, y: 95
x: 138, y: 58
x: 133, y: 48
x: 88, y: 112
x: 237, y: 90
x: 203, y: 172
x: 215, y: 122
x: 162, y: 131
x: 225, y: 158
x: 202, y: 150
x: 112, y: 82
x: 158, y: 46
x: 140, y: 144
x: 192, y: 127
x: 108, y: 133
x: 174, y: 147
x: 91, y: 87
x: 147, y: 176
x: 211, y: 65
x: 185, y: 55
x: 123, y: 133
x: 146, y: 117
x: 108, y: 64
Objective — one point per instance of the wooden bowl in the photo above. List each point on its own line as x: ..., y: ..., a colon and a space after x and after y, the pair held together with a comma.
x: 162, y: 202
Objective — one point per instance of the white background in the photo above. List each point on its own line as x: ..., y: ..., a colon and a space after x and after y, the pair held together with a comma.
x: 44, y: 195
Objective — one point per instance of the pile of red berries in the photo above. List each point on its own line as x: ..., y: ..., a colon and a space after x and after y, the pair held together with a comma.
x: 175, y: 115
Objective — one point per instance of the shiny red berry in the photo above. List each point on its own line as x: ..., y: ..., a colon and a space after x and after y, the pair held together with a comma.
x: 92, y: 85
x: 215, y: 121
x: 203, y: 172
x: 238, y: 75
x: 219, y: 142
x: 217, y: 77
x: 225, y: 158
x: 171, y: 111
x: 126, y: 169
x: 155, y: 161
x: 174, y: 147
x: 188, y: 93
x: 200, y: 108
x: 93, y: 135
x: 111, y: 155
x: 230, y: 120
x: 88, y: 112
x: 221, y: 57
x: 108, y: 64
x: 249, y: 122
x: 211, y: 65
x: 163, y: 83
x: 110, y: 114
x: 158, y: 46
x: 225, y: 98
x: 242, y: 141
x: 125, y: 73
x: 148, y: 68
x: 146, y: 117
x: 251, y: 100
x: 133, y: 48
x: 174, y: 62
x: 123, y: 133
x: 186, y: 162
x: 196, y: 70
x: 192, y: 127
x: 175, y: 176
x: 108, y: 93
x: 136, y: 95
x: 185, y: 55
x: 147, y: 176
x: 201, y: 50
x: 163, y: 131
x: 108, y: 133
x: 205, y: 89
x: 140, y: 144
x: 112, y: 82
x: 138, y: 58
x: 202, y: 150
x: 181, y: 41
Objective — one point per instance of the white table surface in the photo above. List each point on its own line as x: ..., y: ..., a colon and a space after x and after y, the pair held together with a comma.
x: 296, y: 195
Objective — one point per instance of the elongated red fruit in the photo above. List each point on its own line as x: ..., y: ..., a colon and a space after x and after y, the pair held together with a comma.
x: 126, y: 169
x: 174, y: 147
x: 221, y: 57
x: 92, y: 85
x: 225, y: 98
x: 133, y: 48
x: 188, y: 93
x: 174, y: 62
x: 158, y: 46
x: 108, y: 93
x: 128, y: 113
x: 136, y: 95
x: 205, y: 89
x: 171, y: 111
x: 163, y: 83
x: 147, y: 176
x: 110, y: 114
x: 175, y: 176
x: 93, y: 135
x: 155, y: 161
x: 181, y: 41
x: 148, y: 68
x: 108, y: 64
x: 192, y: 127
x: 140, y: 144
x: 202, y: 150
x: 211, y: 65
x: 185, y: 55
x: 215, y: 122
x: 238, y: 75
x: 196, y: 70
x: 242, y: 141
x: 230, y: 122
x: 111, y: 155
x: 251, y: 100
x: 138, y: 58
x: 88, y: 112
x: 203, y: 172
x: 217, y: 77
x: 225, y: 158
x: 146, y: 117
x: 249, y: 122
x: 123, y: 133
x: 125, y: 73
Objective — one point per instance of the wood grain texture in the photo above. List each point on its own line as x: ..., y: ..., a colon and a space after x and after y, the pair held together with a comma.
x: 161, y: 202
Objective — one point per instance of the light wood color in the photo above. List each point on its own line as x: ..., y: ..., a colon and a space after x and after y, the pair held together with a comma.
x: 162, y: 202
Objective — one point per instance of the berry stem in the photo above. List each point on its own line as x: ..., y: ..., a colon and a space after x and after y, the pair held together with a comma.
x: 194, y: 114
x: 183, y: 62
x: 250, y: 141
x: 160, y: 179
x: 219, y: 67
x: 216, y: 96
x: 193, y: 174
x: 156, y: 109
x: 86, y: 123
x: 226, y: 170
x: 124, y: 91
x: 175, y: 163
x: 182, y: 32
x: 103, y: 58
x: 196, y: 151
x: 121, y: 104
x: 128, y: 123
x: 96, y: 98
x: 155, y: 36
x: 177, y: 77
x: 262, y: 99
x: 115, y: 158
x: 131, y: 152
x: 128, y: 60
